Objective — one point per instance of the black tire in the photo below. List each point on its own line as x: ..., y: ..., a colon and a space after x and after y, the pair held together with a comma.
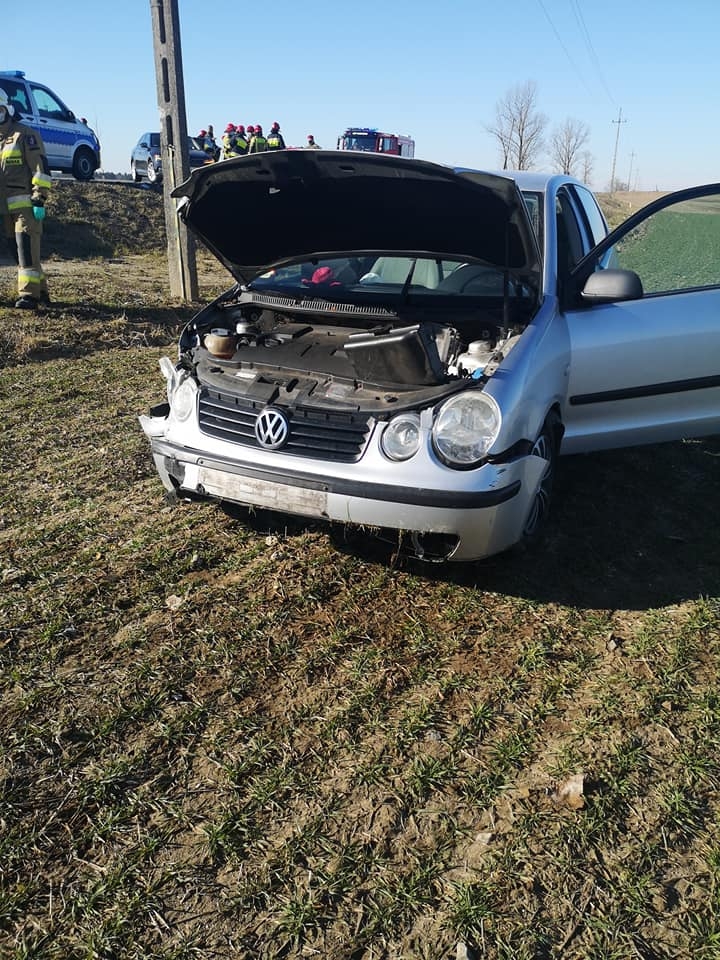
x: 136, y: 175
x: 547, y: 447
x: 84, y: 164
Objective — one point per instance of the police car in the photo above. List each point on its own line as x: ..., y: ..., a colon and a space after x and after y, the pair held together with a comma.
x: 70, y: 144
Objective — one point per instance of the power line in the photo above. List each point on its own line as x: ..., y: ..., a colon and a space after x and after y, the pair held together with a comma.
x: 564, y: 48
x: 577, y: 10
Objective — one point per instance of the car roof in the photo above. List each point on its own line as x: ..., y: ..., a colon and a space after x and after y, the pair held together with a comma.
x: 534, y: 180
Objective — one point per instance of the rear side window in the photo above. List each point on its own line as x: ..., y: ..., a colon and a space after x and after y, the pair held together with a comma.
x: 155, y: 140
x: 569, y: 237
x: 532, y: 202
x: 593, y: 216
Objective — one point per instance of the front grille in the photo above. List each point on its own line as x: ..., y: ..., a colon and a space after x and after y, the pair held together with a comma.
x: 336, y: 436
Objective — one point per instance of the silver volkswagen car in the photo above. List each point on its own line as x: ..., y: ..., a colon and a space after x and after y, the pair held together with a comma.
x: 409, y: 347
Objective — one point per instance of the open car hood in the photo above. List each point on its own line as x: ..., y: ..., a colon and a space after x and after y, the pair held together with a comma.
x: 257, y: 211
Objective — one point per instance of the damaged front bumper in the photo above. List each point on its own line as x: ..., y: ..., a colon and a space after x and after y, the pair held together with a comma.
x: 482, y: 514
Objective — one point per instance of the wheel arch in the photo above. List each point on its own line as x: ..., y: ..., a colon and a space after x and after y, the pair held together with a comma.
x: 80, y: 169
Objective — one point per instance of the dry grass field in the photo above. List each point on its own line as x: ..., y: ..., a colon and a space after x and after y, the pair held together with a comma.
x: 234, y: 735
x: 618, y: 206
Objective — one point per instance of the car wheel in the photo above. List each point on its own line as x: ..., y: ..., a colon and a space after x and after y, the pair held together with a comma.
x: 84, y: 165
x: 546, y: 447
x: 136, y: 175
x: 152, y: 174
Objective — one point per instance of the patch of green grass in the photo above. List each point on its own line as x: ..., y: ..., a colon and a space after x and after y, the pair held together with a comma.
x: 472, y: 905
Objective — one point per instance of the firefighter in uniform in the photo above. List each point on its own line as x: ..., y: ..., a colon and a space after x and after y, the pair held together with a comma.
x: 258, y: 143
x: 210, y: 137
x: 311, y: 145
x: 228, y: 142
x: 242, y: 141
x: 275, y: 139
x: 207, y: 145
x: 24, y: 184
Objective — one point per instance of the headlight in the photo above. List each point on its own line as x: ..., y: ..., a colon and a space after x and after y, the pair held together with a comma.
x: 465, y: 428
x: 401, y: 437
x: 167, y: 369
x: 183, y: 399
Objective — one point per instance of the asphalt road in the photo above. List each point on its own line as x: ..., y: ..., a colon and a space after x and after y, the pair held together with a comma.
x: 56, y: 175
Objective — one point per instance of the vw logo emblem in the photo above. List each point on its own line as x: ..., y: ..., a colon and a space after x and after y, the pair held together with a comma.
x: 271, y: 429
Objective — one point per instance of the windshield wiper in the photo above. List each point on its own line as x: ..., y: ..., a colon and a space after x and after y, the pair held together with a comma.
x: 408, y: 280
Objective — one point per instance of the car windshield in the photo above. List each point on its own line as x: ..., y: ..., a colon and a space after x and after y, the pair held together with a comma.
x: 373, y: 275
x: 359, y: 142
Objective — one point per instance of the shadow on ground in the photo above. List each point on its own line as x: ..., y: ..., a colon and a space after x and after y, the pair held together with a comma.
x: 630, y: 529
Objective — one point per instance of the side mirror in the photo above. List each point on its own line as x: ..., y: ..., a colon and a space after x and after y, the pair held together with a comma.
x: 608, y: 286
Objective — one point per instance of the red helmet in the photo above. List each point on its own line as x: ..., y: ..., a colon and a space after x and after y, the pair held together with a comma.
x: 230, y: 127
x: 258, y: 128
x: 310, y: 137
x: 240, y: 128
x: 276, y: 126
x: 251, y: 128
x: 203, y: 133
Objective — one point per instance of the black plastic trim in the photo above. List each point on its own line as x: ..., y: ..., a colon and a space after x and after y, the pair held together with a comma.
x: 648, y: 390
x: 415, y: 496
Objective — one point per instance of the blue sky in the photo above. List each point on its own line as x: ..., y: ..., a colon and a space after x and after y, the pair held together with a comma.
x: 432, y: 70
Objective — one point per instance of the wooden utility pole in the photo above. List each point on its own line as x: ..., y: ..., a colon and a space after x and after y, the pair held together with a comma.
x: 173, y: 144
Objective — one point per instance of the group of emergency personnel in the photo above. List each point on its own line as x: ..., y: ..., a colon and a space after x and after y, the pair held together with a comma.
x: 239, y: 140
x: 24, y: 184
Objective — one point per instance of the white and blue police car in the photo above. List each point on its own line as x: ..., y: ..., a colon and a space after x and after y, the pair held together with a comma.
x: 71, y: 145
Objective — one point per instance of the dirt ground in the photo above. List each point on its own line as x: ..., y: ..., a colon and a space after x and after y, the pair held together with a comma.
x: 231, y: 734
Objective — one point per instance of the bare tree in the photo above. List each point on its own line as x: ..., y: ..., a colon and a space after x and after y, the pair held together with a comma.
x: 586, y: 171
x: 566, y: 142
x: 519, y: 127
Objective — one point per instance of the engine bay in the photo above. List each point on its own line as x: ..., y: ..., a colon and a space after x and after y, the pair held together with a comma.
x: 268, y: 348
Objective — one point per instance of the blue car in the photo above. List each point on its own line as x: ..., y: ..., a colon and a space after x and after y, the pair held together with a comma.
x: 70, y: 144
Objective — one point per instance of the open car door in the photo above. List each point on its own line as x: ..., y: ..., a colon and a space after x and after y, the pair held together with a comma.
x: 645, y: 334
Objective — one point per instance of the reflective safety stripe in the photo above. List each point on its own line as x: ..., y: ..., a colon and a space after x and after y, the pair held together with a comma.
x: 29, y: 276
x: 11, y: 153
x: 19, y: 201
x: 42, y: 181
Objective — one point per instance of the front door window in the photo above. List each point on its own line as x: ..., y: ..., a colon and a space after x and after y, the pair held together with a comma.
x: 675, y: 249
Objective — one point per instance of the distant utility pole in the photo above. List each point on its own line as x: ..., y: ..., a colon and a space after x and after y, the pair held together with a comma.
x: 632, y: 157
x: 173, y: 144
x: 617, y: 138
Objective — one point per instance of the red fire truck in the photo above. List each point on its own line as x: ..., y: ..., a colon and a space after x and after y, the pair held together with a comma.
x: 375, y: 141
